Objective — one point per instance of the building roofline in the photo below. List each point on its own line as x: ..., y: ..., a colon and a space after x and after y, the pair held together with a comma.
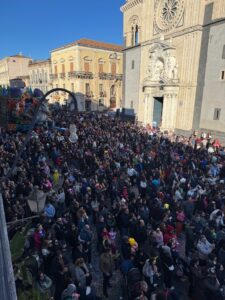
x: 41, y: 61
x: 91, y: 44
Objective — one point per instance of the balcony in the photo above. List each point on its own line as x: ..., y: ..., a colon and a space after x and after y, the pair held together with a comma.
x: 53, y: 76
x: 110, y: 76
x: 62, y: 75
x: 80, y: 75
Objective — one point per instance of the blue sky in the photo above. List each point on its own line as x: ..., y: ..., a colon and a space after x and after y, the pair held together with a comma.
x: 34, y: 27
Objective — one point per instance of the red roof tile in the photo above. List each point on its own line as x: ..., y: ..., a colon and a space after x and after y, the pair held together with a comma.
x: 93, y: 44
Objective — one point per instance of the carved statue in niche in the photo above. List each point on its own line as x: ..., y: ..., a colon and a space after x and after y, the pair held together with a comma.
x: 175, y: 72
x: 159, y: 68
x: 151, y: 66
x: 171, y: 63
x: 162, y: 65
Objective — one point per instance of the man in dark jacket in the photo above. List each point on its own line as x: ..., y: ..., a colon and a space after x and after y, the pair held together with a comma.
x: 106, y: 265
x: 212, y: 286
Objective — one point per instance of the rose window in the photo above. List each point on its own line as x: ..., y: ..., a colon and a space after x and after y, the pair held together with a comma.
x: 168, y: 14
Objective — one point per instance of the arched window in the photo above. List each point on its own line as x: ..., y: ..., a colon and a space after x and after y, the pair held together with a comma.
x: 100, y: 65
x: 132, y: 36
x: 135, y: 30
x: 136, y: 35
x: 112, y: 91
x: 87, y: 64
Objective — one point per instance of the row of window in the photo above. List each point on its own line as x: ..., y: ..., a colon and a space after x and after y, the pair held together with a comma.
x: 39, y: 77
x: 86, y: 68
x: 88, y: 91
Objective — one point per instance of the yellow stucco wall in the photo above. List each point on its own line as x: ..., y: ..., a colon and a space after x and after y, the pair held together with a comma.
x: 77, y: 55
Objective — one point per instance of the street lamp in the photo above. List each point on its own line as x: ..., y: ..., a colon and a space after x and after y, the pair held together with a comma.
x: 7, y: 281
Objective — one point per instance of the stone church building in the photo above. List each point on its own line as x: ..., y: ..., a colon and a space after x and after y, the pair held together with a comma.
x: 174, y: 63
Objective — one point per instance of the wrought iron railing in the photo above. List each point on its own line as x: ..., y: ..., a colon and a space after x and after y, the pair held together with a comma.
x: 62, y: 75
x: 80, y: 74
x: 53, y: 76
x: 110, y: 76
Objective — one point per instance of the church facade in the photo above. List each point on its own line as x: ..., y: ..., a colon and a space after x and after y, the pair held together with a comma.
x: 174, y: 62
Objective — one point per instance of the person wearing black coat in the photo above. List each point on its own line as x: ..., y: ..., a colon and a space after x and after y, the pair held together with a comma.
x: 78, y: 252
x: 167, y: 265
x: 212, y: 288
x: 124, y: 221
x: 141, y: 233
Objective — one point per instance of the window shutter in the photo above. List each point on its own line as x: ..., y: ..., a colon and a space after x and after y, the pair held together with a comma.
x: 86, y: 66
x: 71, y: 67
x: 113, y: 68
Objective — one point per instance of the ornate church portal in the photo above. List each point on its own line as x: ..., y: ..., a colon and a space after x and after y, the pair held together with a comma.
x: 161, y: 86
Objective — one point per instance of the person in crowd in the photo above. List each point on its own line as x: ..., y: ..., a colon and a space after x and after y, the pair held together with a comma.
x: 139, y: 191
x: 106, y: 264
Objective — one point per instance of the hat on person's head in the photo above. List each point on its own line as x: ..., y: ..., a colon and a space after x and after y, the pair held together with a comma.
x: 157, y: 229
x: 166, y: 206
x: 71, y: 288
x: 183, y: 180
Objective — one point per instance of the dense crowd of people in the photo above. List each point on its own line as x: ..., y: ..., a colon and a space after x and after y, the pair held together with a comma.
x: 149, y: 203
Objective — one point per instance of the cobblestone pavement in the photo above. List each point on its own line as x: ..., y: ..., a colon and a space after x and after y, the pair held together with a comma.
x: 117, y: 280
x: 116, y: 291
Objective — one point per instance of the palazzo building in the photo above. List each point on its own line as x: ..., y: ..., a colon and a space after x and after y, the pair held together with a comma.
x: 174, y: 63
x: 14, y: 67
x: 90, y: 69
x: 39, y: 73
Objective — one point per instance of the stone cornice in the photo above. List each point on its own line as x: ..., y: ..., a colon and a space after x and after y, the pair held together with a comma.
x: 174, y: 34
x: 130, y: 4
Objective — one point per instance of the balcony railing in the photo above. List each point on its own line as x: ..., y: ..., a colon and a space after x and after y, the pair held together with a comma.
x: 62, y: 75
x: 81, y: 75
x: 110, y: 76
x: 53, y: 76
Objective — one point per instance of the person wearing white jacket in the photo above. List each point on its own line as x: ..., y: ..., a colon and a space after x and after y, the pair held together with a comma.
x: 204, y: 248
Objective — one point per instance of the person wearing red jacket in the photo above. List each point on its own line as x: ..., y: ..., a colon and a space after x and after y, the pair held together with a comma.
x: 169, y: 234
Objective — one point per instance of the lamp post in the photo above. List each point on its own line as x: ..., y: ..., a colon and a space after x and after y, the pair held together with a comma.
x: 7, y: 281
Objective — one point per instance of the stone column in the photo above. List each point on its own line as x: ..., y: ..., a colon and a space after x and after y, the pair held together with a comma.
x: 173, y: 110
x: 166, y: 112
x: 148, y: 106
x: 169, y: 109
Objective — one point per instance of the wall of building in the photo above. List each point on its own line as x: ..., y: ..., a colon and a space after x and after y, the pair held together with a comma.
x: 13, y: 67
x: 78, y: 55
x: 39, y: 73
x: 4, y: 74
x: 132, y: 61
x: 214, y: 88
x: 18, y: 66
